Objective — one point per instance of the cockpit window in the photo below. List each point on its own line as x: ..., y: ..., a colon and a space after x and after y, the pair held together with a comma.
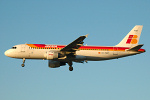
x: 14, y: 47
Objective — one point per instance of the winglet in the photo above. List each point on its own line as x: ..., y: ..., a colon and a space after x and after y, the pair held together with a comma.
x: 86, y: 35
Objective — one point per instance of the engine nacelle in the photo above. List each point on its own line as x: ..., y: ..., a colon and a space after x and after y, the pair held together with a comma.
x: 51, y: 55
x: 55, y: 64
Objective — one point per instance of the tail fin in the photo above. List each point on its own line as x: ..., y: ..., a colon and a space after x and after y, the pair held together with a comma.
x: 132, y: 38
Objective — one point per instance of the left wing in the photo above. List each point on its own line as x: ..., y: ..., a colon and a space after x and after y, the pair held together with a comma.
x: 73, y: 46
x: 135, y: 48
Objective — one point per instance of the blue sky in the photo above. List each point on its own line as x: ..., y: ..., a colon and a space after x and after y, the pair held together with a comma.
x: 61, y: 22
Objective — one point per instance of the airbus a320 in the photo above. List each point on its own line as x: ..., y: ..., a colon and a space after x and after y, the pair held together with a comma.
x: 60, y: 55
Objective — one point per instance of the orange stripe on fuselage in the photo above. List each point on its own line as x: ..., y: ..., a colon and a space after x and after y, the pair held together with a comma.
x: 31, y: 45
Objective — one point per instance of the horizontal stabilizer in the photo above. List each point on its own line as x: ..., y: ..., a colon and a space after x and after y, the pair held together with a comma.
x: 136, y: 48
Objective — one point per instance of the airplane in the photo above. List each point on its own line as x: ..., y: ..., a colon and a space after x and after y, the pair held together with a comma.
x: 60, y: 55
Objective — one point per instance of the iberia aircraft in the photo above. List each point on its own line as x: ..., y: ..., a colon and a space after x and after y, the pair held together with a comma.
x: 59, y: 55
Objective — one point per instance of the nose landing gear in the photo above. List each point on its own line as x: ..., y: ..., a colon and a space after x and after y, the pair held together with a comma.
x: 23, y: 62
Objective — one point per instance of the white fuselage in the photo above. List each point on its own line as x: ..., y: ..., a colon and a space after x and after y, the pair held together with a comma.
x: 24, y: 51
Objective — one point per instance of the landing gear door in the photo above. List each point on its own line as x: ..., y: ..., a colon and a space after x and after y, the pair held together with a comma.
x: 115, y: 50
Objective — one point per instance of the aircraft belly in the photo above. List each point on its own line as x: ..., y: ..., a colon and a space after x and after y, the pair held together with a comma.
x: 103, y: 55
x: 96, y: 55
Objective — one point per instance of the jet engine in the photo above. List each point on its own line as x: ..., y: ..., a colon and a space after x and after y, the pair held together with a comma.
x: 52, y: 55
x: 55, y: 64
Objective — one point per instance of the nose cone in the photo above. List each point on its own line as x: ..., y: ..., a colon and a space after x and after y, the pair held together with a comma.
x: 6, y: 53
x: 10, y: 53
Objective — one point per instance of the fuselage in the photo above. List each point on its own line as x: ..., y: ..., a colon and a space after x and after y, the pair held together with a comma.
x: 90, y: 53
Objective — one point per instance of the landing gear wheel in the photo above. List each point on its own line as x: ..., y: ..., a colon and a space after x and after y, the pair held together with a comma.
x: 22, y: 65
x: 71, y: 68
x: 70, y: 65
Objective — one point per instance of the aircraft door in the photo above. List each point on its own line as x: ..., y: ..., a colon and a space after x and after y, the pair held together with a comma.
x: 115, y: 50
x: 31, y: 52
x: 22, y: 48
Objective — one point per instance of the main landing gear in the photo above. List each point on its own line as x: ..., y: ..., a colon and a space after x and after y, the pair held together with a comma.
x: 23, y: 62
x: 70, y: 66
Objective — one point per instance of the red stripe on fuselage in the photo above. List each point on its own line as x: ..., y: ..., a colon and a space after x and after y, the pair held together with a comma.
x: 87, y: 47
x: 40, y: 45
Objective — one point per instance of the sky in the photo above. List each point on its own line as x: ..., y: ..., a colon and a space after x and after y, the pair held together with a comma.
x: 61, y: 22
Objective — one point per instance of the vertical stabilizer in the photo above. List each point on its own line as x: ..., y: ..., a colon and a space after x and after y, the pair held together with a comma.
x: 132, y: 38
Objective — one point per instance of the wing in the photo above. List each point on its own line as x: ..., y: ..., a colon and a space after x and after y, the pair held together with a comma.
x: 136, y: 48
x: 73, y: 46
